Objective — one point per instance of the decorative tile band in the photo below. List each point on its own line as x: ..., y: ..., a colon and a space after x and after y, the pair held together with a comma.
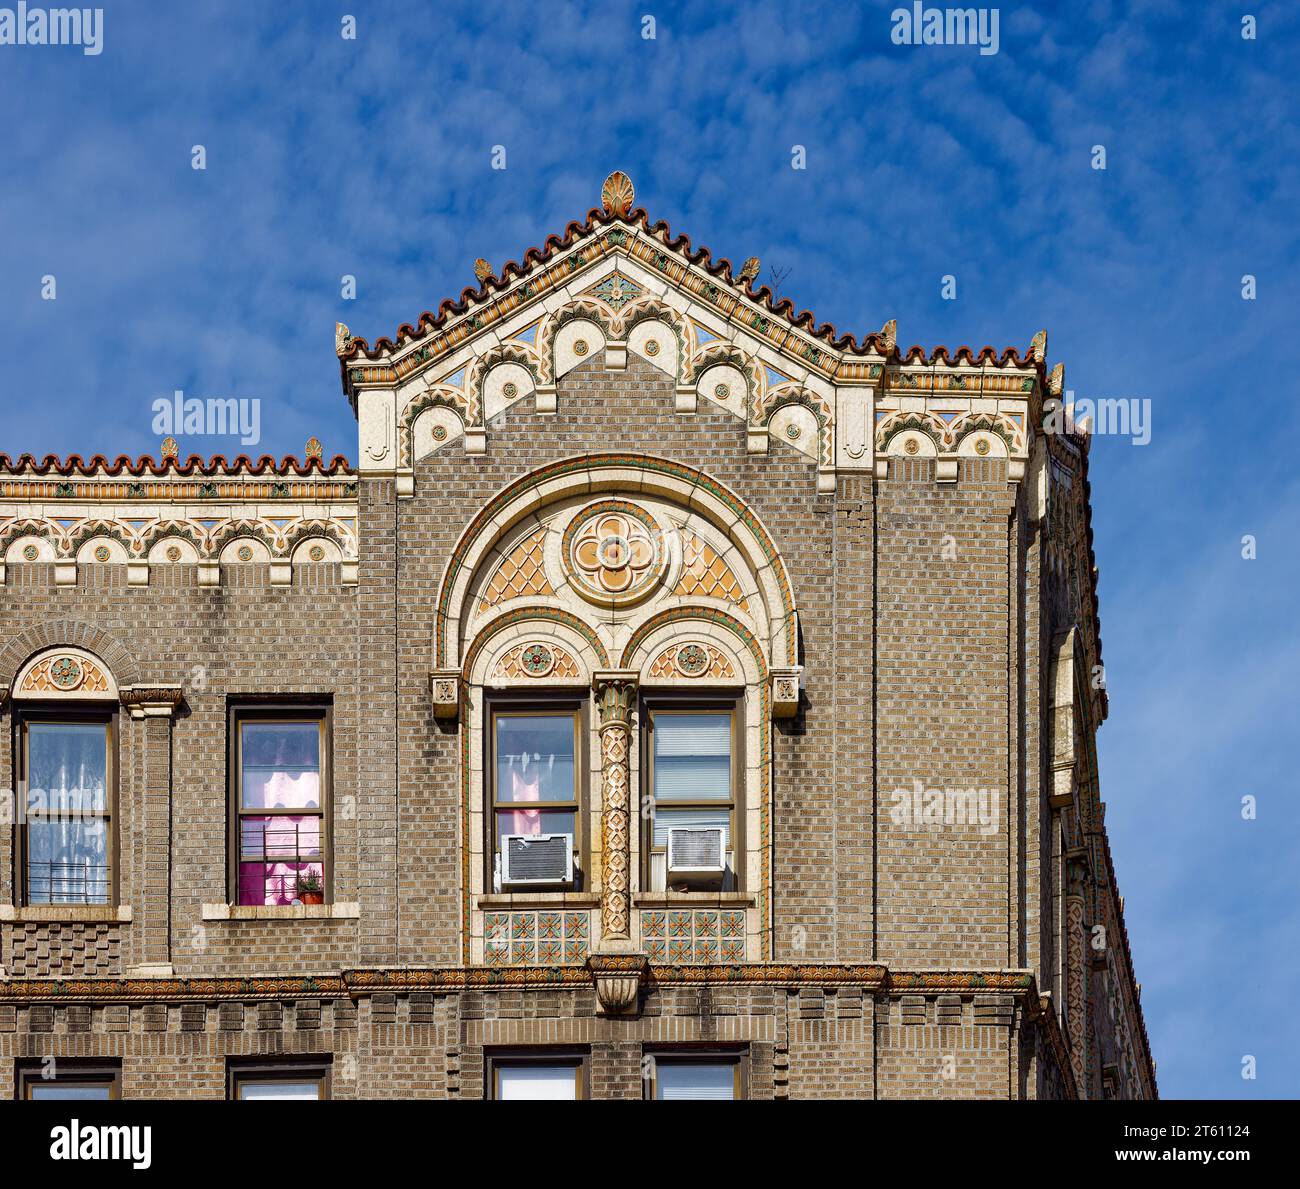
x: 693, y: 935
x: 355, y: 983
x: 543, y: 937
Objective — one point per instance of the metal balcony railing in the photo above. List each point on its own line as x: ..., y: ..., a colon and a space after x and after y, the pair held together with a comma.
x: 54, y: 881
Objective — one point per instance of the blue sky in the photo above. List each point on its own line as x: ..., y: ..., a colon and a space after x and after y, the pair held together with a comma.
x: 372, y: 158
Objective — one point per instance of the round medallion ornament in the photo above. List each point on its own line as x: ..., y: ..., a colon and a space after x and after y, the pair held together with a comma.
x: 692, y: 660
x: 317, y: 553
x: 31, y: 553
x: 792, y: 431
x: 102, y: 553
x: 580, y: 347
x: 652, y: 347
x: 982, y: 447
x: 510, y: 390
x: 613, y: 552
x: 911, y: 446
x: 245, y: 553
x: 439, y: 433
x: 173, y: 553
x: 537, y: 660
x: 722, y: 391
x: 66, y: 672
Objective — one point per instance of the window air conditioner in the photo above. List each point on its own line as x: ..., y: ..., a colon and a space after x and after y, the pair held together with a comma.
x: 537, y: 859
x: 697, y: 852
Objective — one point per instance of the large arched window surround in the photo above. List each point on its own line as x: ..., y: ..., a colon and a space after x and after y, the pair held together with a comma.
x: 524, y: 526
x: 652, y: 572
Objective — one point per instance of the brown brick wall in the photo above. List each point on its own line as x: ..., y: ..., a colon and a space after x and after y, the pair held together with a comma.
x: 913, y: 656
x: 942, y: 711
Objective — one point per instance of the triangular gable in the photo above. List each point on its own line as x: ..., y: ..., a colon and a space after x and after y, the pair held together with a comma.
x: 618, y: 285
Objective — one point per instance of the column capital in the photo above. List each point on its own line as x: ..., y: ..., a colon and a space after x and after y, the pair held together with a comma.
x: 151, y: 701
x: 615, y: 695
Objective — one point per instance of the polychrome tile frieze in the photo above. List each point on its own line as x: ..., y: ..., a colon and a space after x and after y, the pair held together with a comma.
x: 693, y: 934
x: 545, y: 937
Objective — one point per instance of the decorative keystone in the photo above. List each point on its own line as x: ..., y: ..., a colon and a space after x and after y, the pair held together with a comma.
x: 618, y: 974
x: 444, y: 684
x: 616, y: 355
x: 785, y: 691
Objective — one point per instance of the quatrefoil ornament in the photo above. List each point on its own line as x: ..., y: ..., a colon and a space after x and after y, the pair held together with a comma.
x: 614, y: 553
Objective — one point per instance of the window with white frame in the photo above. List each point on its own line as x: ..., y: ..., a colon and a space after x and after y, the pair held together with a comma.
x: 692, y: 780
x: 535, y: 783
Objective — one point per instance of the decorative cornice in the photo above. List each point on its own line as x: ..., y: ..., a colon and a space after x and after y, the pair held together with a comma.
x: 99, y: 467
x: 358, y: 983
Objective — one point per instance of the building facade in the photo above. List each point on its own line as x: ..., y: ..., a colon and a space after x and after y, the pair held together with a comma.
x: 676, y: 698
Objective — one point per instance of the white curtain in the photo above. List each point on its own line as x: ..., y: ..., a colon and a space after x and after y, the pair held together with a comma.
x: 67, y: 779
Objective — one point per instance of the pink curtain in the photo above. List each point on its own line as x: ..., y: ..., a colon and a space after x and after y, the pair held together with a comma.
x: 523, y: 821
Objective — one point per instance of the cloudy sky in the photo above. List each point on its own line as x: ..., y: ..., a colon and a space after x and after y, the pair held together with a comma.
x: 372, y: 158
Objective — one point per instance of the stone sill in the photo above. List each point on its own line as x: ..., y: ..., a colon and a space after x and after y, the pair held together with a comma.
x: 345, y: 911
x: 693, y: 899
x: 501, y: 900
x: 65, y: 914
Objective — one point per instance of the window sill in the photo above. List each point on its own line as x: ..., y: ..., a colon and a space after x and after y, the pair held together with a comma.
x: 65, y: 914
x: 537, y: 900
x: 694, y: 899
x: 345, y: 911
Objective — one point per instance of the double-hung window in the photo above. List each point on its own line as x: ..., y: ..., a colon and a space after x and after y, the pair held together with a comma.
x: 692, y: 781
x: 65, y: 835
x: 67, y: 1079
x: 280, y: 762
x: 535, y: 782
x: 279, y: 1081
x: 715, y: 1077
x: 545, y: 1076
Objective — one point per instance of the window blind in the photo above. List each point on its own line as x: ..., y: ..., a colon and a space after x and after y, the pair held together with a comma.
x: 692, y: 757
x: 716, y: 1081
x: 668, y: 819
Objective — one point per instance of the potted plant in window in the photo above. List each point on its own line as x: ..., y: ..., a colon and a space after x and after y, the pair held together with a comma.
x: 310, y: 888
